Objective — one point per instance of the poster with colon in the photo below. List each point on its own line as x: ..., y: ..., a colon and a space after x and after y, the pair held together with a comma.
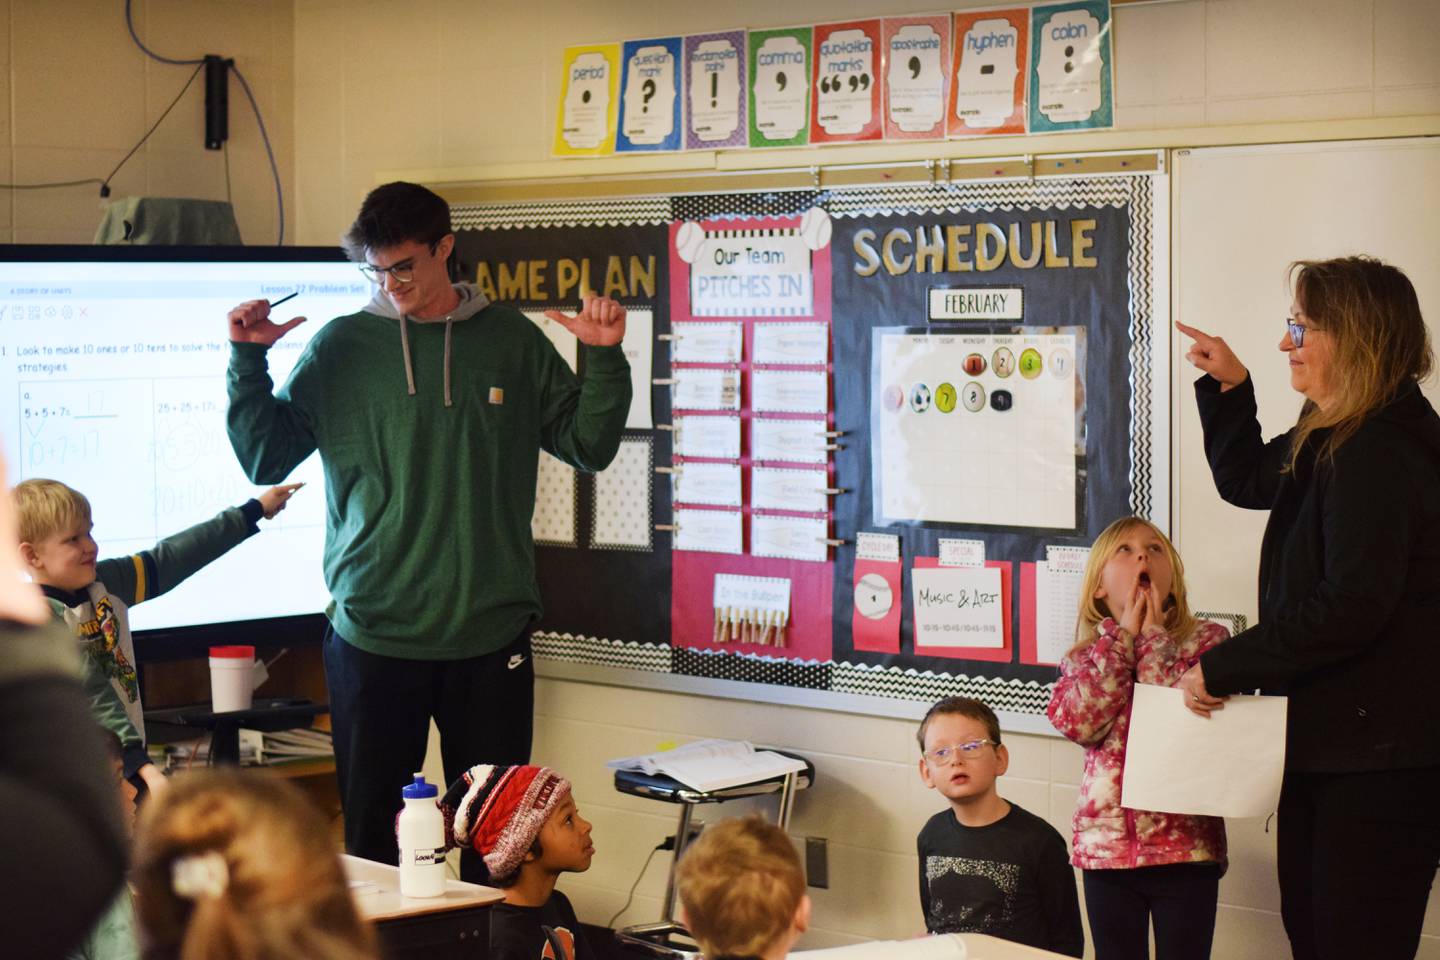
x: 988, y: 84
x: 917, y: 76
x: 585, y: 122
x: 649, y: 96
x: 1071, y: 67
x: 780, y: 87
x: 847, y: 83
x: 715, y: 90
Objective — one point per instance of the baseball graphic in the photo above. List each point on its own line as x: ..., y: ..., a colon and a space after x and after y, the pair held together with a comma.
x: 873, y: 597
x: 688, y: 241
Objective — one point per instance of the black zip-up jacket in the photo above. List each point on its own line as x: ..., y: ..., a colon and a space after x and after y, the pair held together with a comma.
x: 1349, y: 581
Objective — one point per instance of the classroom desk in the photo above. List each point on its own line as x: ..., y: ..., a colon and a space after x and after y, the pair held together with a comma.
x: 454, y: 925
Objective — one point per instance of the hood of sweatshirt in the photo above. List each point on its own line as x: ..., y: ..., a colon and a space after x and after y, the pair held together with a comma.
x: 472, y: 301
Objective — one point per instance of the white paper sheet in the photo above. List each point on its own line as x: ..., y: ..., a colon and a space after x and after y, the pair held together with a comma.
x: 800, y: 490
x: 717, y: 484
x: 565, y: 342
x: 708, y: 531
x: 714, y: 437
x: 1227, y: 766
x: 792, y: 343
x: 794, y: 538
x: 797, y: 441
x: 706, y: 342
x: 639, y: 346
x: 622, y: 500
x: 1057, y: 603
x: 790, y: 391
x: 705, y: 388
x: 554, y: 519
x: 958, y: 607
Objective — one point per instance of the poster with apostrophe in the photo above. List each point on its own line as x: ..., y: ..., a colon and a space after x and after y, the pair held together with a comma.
x: 988, y: 83
x: 715, y: 90
x: 847, y: 83
x: 917, y: 76
x: 1071, y: 67
x: 585, y: 122
x: 780, y: 87
x: 649, y: 96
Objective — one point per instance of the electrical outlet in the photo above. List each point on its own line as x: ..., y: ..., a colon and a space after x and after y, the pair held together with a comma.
x: 817, y: 862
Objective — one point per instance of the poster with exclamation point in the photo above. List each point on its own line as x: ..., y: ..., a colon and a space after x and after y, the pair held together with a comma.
x: 780, y: 87
x: 715, y: 90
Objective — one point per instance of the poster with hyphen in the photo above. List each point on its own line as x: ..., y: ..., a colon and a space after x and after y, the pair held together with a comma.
x: 589, y: 87
x: 1071, y: 70
x: 987, y: 87
x: 715, y: 90
x: 917, y: 76
x: 780, y: 87
x: 532, y: 266
x: 847, y: 83
x: 650, y: 101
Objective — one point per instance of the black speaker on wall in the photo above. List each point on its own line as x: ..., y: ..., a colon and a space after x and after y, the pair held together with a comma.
x: 217, y: 101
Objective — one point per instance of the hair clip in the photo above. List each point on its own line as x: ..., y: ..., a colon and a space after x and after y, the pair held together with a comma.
x: 199, y: 875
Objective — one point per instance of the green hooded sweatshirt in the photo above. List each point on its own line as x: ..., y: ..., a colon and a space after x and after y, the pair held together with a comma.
x: 429, y: 434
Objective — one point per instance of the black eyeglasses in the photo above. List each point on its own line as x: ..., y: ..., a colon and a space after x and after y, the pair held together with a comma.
x: 403, y: 272
x: 1297, y: 332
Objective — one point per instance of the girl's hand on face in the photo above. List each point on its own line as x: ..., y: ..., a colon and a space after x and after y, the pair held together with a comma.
x: 1136, y: 604
x: 1154, y: 609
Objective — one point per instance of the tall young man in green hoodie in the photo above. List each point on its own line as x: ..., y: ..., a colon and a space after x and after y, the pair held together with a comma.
x: 429, y: 409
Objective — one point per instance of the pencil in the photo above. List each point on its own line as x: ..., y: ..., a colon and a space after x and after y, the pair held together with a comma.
x: 276, y: 303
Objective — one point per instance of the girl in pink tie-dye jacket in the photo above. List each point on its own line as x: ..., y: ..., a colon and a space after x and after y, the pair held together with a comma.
x: 1135, y: 626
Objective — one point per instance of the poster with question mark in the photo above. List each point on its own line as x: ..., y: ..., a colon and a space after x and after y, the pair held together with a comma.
x: 1071, y: 86
x: 715, y: 90
x: 847, y: 83
x: 585, y: 122
x: 649, y: 96
x: 780, y: 87
x: 917, y: 51
x: 991, y: 58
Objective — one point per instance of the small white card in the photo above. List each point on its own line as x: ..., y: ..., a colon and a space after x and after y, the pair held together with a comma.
x: 778, y: 489
x: 715, y: 437
x: 767, y: 594
x: 566, y: 343
x: 880, y: 547
x: 717, y: 484
x: 792, y: 343
x: 703, y: 388
x: 708, y: 531
x: 958, y: 607
x: 962, y: 553
x: 790, y: 391
x: 794, y: 538
x: 1066, y: 559
x: 639, y: 345
x: 706, y: 342
x: 796, y: 441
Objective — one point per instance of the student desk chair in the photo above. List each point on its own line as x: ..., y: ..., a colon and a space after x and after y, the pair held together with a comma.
x: 660, y: 939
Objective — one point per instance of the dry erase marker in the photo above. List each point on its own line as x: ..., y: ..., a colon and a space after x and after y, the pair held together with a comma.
x: 276, y: 303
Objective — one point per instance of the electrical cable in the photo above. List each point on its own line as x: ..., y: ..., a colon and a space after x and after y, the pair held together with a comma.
x: 631, y: 897
x: 105, y: 186
x: 259, y: 120
x: 130, y: 23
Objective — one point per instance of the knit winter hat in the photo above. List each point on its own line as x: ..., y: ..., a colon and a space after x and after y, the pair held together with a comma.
x: 498, y: 811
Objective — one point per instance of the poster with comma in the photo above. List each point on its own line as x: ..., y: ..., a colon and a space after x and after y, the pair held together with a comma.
x: 780, y: 87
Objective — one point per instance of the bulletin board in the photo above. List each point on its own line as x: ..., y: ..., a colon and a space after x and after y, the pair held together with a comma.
x: 845, y: 396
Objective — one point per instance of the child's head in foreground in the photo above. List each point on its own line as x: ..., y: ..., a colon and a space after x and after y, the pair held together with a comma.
x: 960, y: 750
x: 55, y: 541
x: 742, y: 890
x: 1130, y: 555
x: 518, y: 818
x: 238, y: 864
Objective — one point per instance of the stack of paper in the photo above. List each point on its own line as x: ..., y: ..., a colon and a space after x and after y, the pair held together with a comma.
x: 713, y: 764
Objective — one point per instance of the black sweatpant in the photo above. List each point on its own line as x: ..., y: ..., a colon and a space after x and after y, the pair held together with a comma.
x: 380, y: 708
x: 1180, y: 898
x: 1357, y: 853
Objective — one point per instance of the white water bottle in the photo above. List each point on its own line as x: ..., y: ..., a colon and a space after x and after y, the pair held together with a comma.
x: 421, y: 833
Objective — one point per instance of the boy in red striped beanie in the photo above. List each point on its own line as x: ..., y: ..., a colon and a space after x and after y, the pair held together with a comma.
x: 524, y: 823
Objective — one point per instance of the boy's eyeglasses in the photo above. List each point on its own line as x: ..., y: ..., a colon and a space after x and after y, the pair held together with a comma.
x: 1297, y: 332
x: 402, y: 272
x: 969, y: 750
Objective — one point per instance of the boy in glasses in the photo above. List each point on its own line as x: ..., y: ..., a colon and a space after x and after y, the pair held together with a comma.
x: 986, y: 865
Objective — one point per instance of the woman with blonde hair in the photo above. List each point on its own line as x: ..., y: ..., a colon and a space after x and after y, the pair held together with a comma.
x: 238, y: 865
x: 1138, y: 866
x: 1349, y: 597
